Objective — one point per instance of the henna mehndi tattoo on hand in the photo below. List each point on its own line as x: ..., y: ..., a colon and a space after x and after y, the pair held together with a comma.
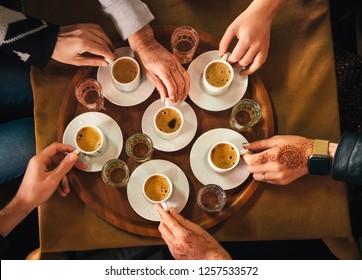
x: 189, y: 247
x: 292, y: 156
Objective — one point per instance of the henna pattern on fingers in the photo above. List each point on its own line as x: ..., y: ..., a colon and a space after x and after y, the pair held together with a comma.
x: 196, y: 246
x: 292, y: 156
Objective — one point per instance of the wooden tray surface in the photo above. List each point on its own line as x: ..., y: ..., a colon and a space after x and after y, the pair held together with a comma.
x: 111, y: 203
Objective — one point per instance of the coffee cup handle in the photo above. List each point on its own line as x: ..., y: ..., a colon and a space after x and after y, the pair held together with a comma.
x: 110, y: 61
x: 244, y: 152
x: 167, y: 102
x: 165, y: 206
x: 225, y: 56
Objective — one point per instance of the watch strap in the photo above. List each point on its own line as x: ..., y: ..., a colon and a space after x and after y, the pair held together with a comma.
x: 320, y: 147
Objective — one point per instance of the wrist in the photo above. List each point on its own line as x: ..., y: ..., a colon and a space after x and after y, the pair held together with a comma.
x: 142, y: 38
x: 266, y: 9
x: 332, y: 149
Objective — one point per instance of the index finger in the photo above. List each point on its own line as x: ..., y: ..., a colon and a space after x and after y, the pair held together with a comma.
x: 226, y: 41
x: 170, y: 222
x: 56, y: 148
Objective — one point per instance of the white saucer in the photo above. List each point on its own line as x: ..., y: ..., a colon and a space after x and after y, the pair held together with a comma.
x: 117, y: 96
x: 206, y: 101
x: 199, y: 164
x: 110, y: 129
x: 180, y: 184
x: 187, y: 132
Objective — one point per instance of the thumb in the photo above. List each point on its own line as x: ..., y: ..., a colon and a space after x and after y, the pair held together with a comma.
x: 65, y: 166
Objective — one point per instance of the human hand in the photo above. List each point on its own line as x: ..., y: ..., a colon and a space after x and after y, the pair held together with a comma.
x: 253, y: 33
x: 252, y: 28
x: 186, y: 240
x: 44, y: 173
x: 160, y: 66
x: 280, y: 159
x: 83, y: 44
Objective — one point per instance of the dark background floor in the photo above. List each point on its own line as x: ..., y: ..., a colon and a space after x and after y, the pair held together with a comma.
x: 24, y: 238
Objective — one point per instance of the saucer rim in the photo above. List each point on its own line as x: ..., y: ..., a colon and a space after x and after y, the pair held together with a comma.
x: 84, y: 116
x: 196, y: 87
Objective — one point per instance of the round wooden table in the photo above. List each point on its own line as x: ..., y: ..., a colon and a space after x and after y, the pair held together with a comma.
x: 111, y: 203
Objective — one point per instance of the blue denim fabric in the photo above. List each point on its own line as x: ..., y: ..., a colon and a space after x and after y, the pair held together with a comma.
x: 17, y: 140
x: 17, y: 146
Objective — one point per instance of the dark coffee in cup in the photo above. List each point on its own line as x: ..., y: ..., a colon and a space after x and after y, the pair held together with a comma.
x: 168, y: 120
x: 125, y: 70
x: 157, y: 188
x: 224, y: 156
x: 218, y: 74
x: 88, y: 139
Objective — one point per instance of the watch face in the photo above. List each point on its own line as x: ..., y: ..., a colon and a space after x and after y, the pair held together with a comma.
x: 319, y: 165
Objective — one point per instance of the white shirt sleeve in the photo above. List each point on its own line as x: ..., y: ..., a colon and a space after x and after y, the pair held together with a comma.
x: 128, y: 16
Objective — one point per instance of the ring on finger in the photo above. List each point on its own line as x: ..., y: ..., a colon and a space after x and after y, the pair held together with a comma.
x: 263, y: 177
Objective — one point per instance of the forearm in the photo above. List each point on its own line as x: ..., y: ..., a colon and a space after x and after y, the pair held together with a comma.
x: 12, y: 215
x: 32, y: 39
x: 267, y: 8
x: 127, y: 16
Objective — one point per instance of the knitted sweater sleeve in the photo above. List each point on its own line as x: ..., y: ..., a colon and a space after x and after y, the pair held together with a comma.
x: 347, y: 162
x: 128, y: 16
x: 32, y: 40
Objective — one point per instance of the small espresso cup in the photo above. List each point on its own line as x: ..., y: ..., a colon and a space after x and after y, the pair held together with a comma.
x: 157, y: 188
x: 126, y: 73
x: 168, y: 122
x: 218, y: 76
x: 90, y: 140
x: 89, y: 93
x: 224, y: 156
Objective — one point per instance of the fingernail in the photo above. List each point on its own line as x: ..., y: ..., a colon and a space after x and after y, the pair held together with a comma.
x: 172, y: 209
x: 246, y: 144
x: 73, y: 157
x: 76, y: 151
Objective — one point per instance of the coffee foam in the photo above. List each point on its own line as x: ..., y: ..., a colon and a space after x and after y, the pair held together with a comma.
x: 157, y: 188
x: 218, y: 74
x: 125, y: 70
x: 168, y: 120
x: 88, y: 139
x: 223, y: 156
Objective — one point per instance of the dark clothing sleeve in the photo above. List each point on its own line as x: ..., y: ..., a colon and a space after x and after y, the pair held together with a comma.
x: 3, y: 243
x: 33, y: 40
x: 347, y: 163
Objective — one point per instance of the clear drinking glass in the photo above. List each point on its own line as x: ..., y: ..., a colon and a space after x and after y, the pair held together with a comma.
x: 211, y: 198
x: 245, y: 114
x: 89, y: 93
x: 139, y: 147
x: 115, y: 173
x: 184, y: 42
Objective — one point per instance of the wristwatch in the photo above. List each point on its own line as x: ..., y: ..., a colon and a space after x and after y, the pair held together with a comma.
x: 319, y: 161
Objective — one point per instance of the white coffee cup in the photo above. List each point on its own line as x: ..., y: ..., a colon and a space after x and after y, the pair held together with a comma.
x: 168, y: 122
x: 90, y: 140
x: 224, y: 156
x: 217, y: 76
x: 157, y: 188
x: 126, y: 73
